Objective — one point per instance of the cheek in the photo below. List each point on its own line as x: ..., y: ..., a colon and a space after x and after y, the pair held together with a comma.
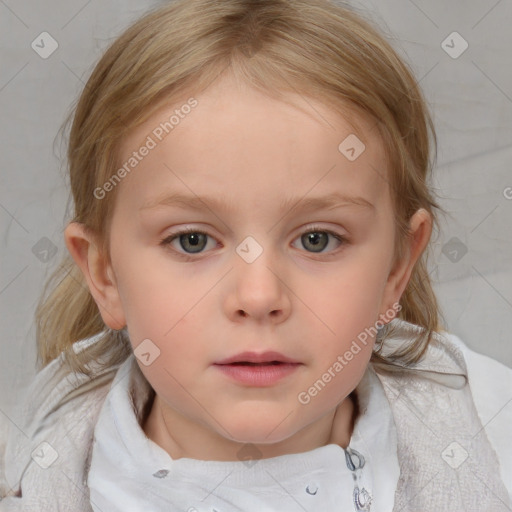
x: 153, y: 297
x: 343, y: 317
x: 350, y: 294
x: 177, y: 356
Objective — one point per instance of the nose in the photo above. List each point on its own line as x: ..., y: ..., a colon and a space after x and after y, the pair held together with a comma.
x: 258, y: 291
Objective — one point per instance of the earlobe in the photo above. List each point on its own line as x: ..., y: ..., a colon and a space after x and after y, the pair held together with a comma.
x: 97, y: 273
x: 420, y: 229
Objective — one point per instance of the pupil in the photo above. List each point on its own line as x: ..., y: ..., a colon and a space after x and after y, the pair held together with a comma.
x: 317, y: 240
x: 192, y: 241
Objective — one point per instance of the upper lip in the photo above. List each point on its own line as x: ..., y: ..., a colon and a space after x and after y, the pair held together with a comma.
x: 255, y: 357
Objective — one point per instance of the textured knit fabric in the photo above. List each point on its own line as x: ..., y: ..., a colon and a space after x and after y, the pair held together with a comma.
x: 446, y: 459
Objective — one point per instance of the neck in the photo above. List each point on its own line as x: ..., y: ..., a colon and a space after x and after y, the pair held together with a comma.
x: 181, y: 437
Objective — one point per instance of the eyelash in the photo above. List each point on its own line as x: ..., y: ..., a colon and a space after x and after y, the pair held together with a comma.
x: 165, y: 242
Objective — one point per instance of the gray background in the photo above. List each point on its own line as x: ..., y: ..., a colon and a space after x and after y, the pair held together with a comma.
x: 470, y: 97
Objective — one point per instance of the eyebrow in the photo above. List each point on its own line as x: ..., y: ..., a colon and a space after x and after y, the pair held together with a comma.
x: 328, y: 202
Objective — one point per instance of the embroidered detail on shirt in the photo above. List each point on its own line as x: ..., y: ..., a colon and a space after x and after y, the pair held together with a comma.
x: 354, y: 459
x: 362, y: 499
x: 355, y: 462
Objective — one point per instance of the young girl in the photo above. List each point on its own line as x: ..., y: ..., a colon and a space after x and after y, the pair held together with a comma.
x: 246, y: 321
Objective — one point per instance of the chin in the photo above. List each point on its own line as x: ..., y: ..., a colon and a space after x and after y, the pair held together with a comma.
x: 265, y: 430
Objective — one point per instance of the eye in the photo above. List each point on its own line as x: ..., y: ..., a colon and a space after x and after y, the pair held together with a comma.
x: 193, y: 241
x: 317, y: 239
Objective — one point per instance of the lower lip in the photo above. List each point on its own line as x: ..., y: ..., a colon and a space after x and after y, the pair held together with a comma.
x: 258, y: 375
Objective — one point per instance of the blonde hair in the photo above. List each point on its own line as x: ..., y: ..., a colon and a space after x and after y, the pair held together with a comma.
x: 314, y: 47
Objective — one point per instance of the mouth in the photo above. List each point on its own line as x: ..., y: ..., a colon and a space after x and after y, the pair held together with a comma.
x: 258, y: 370
x: 257, y: 359
x: 247, y: 363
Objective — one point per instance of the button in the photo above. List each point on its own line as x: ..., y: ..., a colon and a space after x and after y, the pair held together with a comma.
x: 312, y: 489
x: 162, y: 473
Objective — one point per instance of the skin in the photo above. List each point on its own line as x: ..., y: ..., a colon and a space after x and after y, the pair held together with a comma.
x: 254, y: 152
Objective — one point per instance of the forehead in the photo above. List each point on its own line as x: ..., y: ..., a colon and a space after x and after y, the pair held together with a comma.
x: 244, y: 143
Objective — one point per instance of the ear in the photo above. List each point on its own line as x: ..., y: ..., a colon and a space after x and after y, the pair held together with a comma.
x: 420, y: 229
x: 98, y: 273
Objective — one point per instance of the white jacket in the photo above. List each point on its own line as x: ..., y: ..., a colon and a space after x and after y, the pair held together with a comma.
x: 454, y: 444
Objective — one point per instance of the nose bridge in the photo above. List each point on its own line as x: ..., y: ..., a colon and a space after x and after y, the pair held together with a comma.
x: 250, y: 250
x: 259, y: 288
x: 255, y: 261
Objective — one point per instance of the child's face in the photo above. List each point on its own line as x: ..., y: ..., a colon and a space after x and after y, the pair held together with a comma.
x: 307, y: 299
